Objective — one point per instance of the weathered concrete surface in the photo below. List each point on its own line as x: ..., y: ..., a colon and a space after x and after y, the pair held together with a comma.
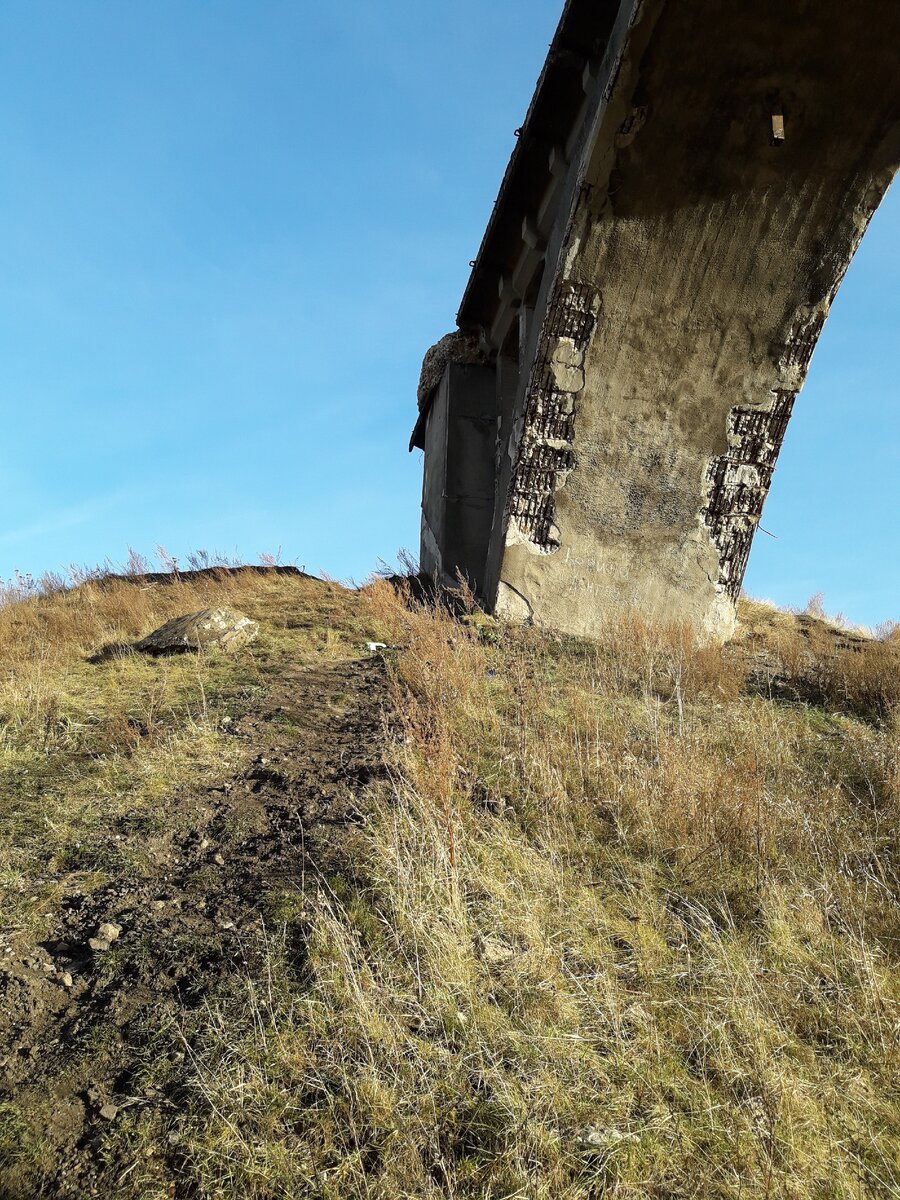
x: 455, y: 347
x: 687, y: 256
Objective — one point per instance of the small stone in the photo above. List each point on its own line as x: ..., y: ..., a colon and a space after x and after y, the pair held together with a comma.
x: 109, y: 1112
x: 225, y: 923
x: 217, y: 858
x: 66, y: 979
x: 495, y: 952
x: 606, y: 1139
x: 97, y: 943
x: 109, y: 931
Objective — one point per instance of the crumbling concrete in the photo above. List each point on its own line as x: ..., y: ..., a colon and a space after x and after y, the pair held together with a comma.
x: 687, y: 192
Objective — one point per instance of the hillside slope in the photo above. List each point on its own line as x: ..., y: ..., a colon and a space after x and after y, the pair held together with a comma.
x: 491, y: 914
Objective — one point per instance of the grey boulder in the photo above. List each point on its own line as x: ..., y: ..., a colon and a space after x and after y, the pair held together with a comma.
x: 215, y: 628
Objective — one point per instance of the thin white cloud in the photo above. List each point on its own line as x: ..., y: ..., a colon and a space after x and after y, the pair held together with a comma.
x: 68, y: 518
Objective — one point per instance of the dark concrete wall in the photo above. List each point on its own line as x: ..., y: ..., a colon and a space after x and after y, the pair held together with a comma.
x: 460, y: 471
x: 434, y: 478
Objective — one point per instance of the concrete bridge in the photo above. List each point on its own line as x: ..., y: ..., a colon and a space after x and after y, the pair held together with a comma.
x: 686, y: 193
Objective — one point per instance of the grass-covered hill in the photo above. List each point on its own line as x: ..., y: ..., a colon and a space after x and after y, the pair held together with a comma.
x: 491, y: 913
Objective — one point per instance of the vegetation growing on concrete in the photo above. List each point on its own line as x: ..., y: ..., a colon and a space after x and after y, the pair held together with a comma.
x: 614, y: 918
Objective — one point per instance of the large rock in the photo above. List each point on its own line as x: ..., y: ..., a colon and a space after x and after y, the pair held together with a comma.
x: 224, y: 628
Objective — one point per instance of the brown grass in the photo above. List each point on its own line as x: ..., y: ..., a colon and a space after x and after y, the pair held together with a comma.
x: 84, y: 744
x: 623, y: 922
x: 621, y: 926
x: 813, y: 659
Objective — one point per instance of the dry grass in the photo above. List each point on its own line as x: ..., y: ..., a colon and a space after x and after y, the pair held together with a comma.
x: 623, y: 924
x: 86, y: 745
x: 624, y: 921
x: 814, y: 659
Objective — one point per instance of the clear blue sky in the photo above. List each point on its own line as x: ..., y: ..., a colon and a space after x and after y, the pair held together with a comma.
x: 228, y: 231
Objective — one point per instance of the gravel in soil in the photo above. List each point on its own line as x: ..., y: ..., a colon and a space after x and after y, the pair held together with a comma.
x: 125, y: 965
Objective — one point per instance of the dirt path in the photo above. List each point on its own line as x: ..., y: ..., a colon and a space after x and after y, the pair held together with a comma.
x: 78, y: 1019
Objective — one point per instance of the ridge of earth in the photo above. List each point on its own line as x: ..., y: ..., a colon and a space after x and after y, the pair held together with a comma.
x: 184, y: 926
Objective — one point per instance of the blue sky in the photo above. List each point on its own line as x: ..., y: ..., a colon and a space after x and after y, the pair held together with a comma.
x: 230, y: 229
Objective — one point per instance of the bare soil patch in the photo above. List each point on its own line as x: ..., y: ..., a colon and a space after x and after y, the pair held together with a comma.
x: 79, y: 1024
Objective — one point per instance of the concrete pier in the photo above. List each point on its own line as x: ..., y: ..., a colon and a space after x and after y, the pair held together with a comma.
x: 685, y: 196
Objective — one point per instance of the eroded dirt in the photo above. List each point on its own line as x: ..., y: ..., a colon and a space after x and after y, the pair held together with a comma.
x: 78, y: 1022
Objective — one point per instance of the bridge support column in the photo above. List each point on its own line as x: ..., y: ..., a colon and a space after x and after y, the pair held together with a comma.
x: 458, y: 487
x: 711, y: 171
x: 699, y: 261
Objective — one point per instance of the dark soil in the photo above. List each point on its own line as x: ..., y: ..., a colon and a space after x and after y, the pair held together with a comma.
x: 78, y: 1024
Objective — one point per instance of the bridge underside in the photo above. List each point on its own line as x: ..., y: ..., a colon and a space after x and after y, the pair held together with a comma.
x: 687, y: 193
